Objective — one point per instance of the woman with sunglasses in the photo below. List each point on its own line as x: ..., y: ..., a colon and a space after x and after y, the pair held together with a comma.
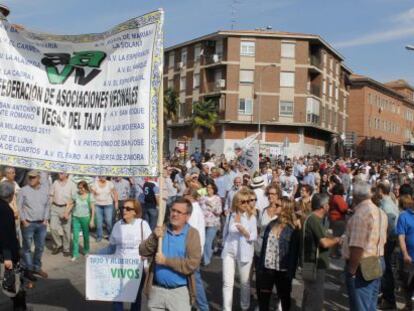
x: 239, y: 234
x: 278, y: 257
x: 82, y: 207
x: 126, y: 236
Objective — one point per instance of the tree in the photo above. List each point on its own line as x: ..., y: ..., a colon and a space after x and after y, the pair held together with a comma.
x: 204, y: 119
x: 171, y: 104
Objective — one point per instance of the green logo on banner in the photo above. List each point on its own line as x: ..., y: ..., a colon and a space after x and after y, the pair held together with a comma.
x: 77, y: 62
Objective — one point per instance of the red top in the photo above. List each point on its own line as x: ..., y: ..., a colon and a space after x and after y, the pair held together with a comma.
x: 337, y: 208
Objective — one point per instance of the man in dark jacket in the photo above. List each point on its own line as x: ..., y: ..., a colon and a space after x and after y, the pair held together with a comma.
x: 9, y: 245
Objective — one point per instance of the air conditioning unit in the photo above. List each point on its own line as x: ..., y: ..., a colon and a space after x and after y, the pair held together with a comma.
x: 221, y: 83
x: 180, y: 65
x: 216, y: 58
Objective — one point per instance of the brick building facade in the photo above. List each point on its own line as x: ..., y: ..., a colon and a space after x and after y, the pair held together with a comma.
x: 382, y: 116
x: 297, y: 80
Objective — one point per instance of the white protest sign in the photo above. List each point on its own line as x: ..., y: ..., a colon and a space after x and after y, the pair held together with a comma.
x: 84, y: 104
x: 113, y: 278
x: 247, y: 152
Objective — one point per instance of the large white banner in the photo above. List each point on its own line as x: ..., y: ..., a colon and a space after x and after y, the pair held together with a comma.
x: 84, y: 104
x: 113, y: 278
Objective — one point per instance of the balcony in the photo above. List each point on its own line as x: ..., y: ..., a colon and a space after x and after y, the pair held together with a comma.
x: 313, y: 110
x: 316, y: 61
x: 216, y: 86
x: 315, y: 90
x: 213, y: 59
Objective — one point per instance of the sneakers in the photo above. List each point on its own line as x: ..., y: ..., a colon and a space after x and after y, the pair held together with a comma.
x: 73, y: 259
x: 56, y: 250
x: 41, y: 273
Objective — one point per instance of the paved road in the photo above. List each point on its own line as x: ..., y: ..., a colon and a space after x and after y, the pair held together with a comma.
x: 65, y: 287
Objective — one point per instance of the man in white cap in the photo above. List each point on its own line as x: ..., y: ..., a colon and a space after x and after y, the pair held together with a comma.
x: 258, y: 186
x: 33, y: 205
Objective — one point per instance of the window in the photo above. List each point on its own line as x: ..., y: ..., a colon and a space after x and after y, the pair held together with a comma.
x: 286, y: 108
x: 246, y: 76
x: 331, y: 61
x: 219, y: 48
x: 182, y: 83
x: 337, y: 69
x: 196, y: 80
x: 312, y: 110
x: 197, y: 52
x: 288, y: 50
x: 171, y: 60
x: 170, y: 84
x: 287, y: 79
x: 245, y: 106
x: 324, y: 87
x: 336, y: 92
x: 184, y: 56
x: 330, y: 90
x: 247, y: 48
x: 325, y: 59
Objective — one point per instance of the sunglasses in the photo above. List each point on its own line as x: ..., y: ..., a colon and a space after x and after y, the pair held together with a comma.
x: 253, y: 200
x: 244, y: 201
x: 129, y: 208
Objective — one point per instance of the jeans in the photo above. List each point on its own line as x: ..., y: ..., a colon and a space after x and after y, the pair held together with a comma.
x: 80, y: 223
x: 208, y: 244
x: 363, y: 295
x: 136, y: 306
x: 387, y: 281
x: 35, y: 231
x: 229, y: 267
x: 103, y: 212
x: 151, y: 216
x: 201, y: 293
x: 314, y: 292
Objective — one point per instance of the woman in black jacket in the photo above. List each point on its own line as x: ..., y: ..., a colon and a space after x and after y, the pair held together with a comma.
x: 279, y: 257
x: 9, y: 246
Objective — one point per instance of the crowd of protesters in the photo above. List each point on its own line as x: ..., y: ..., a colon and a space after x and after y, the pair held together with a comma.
x: 286, y: 220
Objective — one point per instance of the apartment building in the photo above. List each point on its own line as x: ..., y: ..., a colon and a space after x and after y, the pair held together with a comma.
x: 382, y: 116
x: 292, y: 86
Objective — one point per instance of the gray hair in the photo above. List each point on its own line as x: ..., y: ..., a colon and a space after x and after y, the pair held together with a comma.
x: 319, y: 200
x: 361, y: 191
x: 6, y: 190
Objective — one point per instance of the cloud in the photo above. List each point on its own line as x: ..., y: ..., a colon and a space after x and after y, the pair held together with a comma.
x: 406, y: 17
x: 403, y: 27
x: 378, y: 37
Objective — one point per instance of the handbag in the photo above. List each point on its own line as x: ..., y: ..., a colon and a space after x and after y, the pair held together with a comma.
x: 309, y: 269
x: 371, y: 267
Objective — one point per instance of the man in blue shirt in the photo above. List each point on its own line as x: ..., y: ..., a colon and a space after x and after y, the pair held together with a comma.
x: 405, y: 232
x: 170, y: 283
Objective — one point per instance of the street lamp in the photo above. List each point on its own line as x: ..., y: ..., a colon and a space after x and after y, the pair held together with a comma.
x: 260, y: 97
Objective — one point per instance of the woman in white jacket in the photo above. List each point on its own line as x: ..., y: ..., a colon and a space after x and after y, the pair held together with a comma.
x: 239, y: 234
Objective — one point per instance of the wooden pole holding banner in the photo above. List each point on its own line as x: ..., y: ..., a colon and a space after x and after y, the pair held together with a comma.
x: 162, y: 202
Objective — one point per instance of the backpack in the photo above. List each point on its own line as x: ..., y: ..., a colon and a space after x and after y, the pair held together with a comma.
x: 149, y: 194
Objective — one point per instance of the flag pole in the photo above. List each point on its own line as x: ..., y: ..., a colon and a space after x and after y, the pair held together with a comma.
x: 162, y: 202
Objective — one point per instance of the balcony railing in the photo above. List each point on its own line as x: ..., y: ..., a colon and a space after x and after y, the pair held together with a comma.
x: 213, y: 59
x: 315, y: 61
x: 315, y: 90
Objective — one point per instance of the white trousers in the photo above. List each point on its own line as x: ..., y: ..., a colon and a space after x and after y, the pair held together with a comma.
x: 229, y: 268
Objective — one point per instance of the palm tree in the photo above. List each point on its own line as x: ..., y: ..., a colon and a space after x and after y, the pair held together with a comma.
x: 204, y: 119
x: 171, y: 104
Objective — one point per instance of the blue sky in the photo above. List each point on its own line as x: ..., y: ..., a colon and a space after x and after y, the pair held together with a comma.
x: 370, y: 34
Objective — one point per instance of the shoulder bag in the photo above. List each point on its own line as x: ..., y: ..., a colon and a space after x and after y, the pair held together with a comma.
x: 371, y: 267
x: 309, y: 269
